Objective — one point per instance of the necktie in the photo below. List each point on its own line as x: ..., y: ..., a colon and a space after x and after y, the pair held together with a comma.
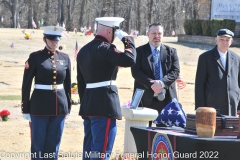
x: 156, y: 64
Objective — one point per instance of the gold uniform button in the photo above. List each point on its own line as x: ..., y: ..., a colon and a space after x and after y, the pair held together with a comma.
x: 53, y: 61
x: 54, y: 77
x: 54, y: 72
x: 54, y: 66
x: 54, y: 82
x: 52, y: 57
x: 49, y: 52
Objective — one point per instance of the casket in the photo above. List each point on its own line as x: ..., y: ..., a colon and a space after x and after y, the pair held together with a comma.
x: 230, y: 129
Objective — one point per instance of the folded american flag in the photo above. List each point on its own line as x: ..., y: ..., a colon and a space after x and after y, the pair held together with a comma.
x: 172, y: 115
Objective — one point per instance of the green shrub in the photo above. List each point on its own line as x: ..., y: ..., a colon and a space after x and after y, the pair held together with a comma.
x: 229, y: 24
x: 188, y: 26
x: 215, y: 25
x: 197, y: 27
x: 206, y: 28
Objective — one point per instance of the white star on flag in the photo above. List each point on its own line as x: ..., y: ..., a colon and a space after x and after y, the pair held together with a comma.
x: 162, y: 112
x: 177, y: 123
x: 179, y: 113
x: 169, y: 122
x: 163, y: 122
x: 172, y: 115
x: 170, y: 111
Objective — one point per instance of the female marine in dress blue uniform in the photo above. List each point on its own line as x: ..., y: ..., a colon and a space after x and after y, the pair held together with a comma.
x: 50, y: 101
x: 97, y: 67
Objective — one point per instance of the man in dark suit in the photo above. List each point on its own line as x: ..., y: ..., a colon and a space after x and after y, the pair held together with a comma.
x: 97, y: 67
x: 218, y: 76
x: 155, y: 71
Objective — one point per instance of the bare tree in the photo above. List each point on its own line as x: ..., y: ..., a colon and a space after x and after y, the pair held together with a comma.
x: 14, y: 6
x: 30, y: 12
x: 59, y: 11
x: 70, y: 9
x: 150, y: 9
x: 78, y: 13
x: 47, y: 11
x: 81, y: 12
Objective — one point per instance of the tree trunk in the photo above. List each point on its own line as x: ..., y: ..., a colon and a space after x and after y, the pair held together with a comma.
x: 138, y: 24
x: 47, y: 10
x: 35, y: 14
x: 14, y: 13
x: 69, y: 22
x: 59, y: 12
x: 150, y: 7
x: 69, y: 10
x: 62, y: 13
x: 115, y: 7
x: 82, y: 13
x: 173, y: 12
x: 30, y: 13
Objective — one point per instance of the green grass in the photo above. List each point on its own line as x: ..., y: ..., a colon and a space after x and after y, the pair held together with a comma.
x: 10, y: 97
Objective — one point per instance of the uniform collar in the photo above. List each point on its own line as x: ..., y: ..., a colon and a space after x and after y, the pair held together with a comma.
x: 101, y: 38
x: 48, y: 51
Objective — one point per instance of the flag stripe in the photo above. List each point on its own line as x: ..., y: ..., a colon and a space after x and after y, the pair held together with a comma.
x: 34, y: 24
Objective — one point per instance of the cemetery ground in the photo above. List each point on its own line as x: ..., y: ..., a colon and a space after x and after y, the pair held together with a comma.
x: 15, y: 133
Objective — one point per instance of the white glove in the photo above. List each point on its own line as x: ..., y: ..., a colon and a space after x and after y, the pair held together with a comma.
x: 67, y: 116
x: 120, y: 34
x: 27, y: 116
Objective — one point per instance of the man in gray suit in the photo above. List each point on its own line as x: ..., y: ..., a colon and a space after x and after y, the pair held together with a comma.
x: 155, y: 71
x: 217, y: 82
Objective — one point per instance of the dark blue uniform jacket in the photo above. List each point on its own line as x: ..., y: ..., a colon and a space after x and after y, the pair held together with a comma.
x: 98, y: 61
x: 47, y: 68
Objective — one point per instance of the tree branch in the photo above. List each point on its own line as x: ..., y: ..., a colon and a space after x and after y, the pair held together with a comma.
x: 7, y: 4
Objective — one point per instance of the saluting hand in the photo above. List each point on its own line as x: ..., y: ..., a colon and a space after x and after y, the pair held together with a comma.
x: 120, y: 34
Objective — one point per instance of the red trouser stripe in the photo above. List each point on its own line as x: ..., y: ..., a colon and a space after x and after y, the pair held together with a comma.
x: 149, y: 144
x: 106, y: 136
x: 30, y: 125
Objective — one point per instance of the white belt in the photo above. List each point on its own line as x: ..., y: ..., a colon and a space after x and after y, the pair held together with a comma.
x: 100, y: 84
x: 48, y: 87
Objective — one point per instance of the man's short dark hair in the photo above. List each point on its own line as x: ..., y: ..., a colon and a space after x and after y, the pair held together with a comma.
x: 154, y: 24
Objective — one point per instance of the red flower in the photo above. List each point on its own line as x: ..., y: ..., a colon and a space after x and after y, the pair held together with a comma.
x: 4, y: 113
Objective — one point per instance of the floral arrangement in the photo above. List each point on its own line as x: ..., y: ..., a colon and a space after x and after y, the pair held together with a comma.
x: 74, y: 89
x: 126, y: 105
x: 28, y: 36
x: 4, y: 115
x: 74, y: 94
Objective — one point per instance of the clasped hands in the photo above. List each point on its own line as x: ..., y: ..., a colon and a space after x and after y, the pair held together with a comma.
x: 156, y: 86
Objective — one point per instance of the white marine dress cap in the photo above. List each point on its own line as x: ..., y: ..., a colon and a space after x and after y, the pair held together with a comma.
x: 113, y: 22
x: 53, y: 32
